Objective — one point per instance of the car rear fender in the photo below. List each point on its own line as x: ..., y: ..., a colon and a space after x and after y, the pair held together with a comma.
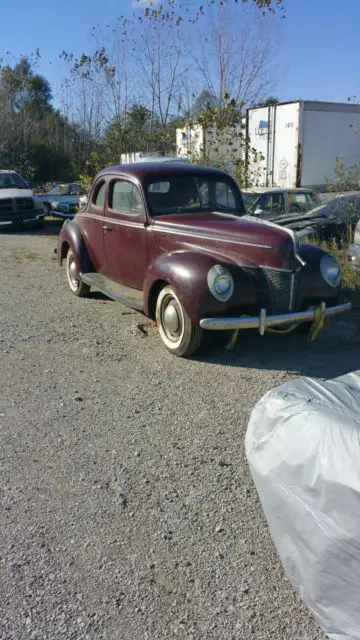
x: 71, y: 236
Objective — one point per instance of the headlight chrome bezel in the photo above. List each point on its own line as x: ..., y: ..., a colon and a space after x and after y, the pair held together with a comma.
x: 330, y: 262
x: 216, y: 274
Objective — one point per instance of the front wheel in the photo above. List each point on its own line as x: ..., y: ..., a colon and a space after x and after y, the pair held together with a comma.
x: 78, y: 288
x: 179, y: 334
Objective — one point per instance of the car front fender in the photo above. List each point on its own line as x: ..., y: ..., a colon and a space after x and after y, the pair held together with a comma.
x: 186, y: 272
x: 312, y: 284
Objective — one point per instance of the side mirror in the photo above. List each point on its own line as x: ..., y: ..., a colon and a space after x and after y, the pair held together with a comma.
x: 257, y: 211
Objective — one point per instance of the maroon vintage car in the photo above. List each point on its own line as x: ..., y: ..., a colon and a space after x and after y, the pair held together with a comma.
x: 173, y: 241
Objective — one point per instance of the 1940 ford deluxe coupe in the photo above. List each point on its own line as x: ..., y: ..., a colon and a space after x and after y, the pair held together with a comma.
x: 173, y: 241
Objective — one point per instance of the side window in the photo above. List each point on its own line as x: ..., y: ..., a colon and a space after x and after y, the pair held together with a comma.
x: 136, y: 202
x: 273, y: 202
x: 124, y: 198
x: 298, y: 203
x: 224, y: 195
x: 312, y: 200
x: 98, y: 197
x: 261, y: 203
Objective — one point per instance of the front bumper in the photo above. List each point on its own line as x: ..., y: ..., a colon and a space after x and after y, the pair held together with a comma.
x: 263, y: 321
x: 354, y: 256
x: 62, y: 214
x: 29, y: 216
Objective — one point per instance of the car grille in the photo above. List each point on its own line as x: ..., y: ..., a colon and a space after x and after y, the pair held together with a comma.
x: 24, y: 204
x: 277, y: 290
x: 6, y: 206
x: 16, y: 205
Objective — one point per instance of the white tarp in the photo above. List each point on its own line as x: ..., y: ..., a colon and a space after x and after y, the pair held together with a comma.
x: 303, y: 448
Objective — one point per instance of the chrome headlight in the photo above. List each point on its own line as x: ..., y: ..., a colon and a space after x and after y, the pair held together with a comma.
x: 330, y: 270
x: 220, y: 283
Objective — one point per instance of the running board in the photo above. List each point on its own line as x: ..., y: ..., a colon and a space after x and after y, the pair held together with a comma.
x: 126, y: 295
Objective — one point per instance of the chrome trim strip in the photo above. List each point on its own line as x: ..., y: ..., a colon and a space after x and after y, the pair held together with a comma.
x: 262, y: 320
x: 251, y: 322
x: 155, y: 227
x: 292, y: 291
x: 215, y: 238
x: 107, y: 219
x: 263, y: 266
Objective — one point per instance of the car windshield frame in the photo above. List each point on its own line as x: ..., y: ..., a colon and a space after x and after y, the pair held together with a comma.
x: 200, y: 206
x: 18, y: 181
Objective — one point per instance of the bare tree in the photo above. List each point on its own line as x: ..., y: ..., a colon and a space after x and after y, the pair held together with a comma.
x: 236, y: 54
x: 161, y: 68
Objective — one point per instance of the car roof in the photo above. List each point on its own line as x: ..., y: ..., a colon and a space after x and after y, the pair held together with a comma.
x: 261, y: 190
x: 148, y: 170
x: 162, y: 159
x: 8, y: 171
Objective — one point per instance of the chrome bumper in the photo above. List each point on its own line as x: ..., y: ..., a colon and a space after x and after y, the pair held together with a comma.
x: 263, y: 321
x: 354, y: 256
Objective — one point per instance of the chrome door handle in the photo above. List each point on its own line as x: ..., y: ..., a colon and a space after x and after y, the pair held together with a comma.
x: 106, y: 228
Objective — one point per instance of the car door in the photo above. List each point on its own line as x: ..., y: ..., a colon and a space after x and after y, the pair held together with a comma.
x: 91, y: 221
x: 125, y: 234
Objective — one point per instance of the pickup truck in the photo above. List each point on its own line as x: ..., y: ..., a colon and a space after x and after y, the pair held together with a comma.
x: 17, y: 204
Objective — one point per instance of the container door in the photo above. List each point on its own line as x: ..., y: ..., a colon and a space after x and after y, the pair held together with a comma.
x: 286, y: 145
x: 258, y: 132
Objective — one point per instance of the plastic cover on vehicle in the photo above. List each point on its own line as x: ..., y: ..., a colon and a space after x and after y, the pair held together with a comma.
x: 303, y: 448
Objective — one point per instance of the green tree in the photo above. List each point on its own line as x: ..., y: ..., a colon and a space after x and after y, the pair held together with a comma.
x: 37, y: 140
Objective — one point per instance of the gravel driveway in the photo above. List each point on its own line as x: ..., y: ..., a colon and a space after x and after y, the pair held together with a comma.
x: 128, y: 511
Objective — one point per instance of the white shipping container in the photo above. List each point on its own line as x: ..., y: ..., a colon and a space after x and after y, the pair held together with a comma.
x: 298, y: 142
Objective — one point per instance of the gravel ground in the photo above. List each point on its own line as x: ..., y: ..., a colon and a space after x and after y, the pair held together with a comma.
x: 128, y: 511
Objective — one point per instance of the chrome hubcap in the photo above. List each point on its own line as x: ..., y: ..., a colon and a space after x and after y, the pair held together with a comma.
x: 171, y: 319
x: 72, y: 273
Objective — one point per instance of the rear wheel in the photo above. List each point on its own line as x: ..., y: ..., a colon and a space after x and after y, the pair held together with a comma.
x: 78, y: 288
x: 179, y: 334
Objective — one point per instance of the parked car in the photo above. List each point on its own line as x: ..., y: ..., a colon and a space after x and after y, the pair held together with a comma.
x: 173, y: 242
x: 342, y: 212
x: 17, y: 204
x: 335, y: 219
x: 62, y: 201
x: 283, y: 201
x: 83, y: 200
x: 354, y: 249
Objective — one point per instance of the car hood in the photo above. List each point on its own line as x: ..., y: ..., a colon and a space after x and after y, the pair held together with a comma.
x: 15, y: 193
x: 239, y: 238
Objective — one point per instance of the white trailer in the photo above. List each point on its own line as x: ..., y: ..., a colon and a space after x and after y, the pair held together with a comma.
x: 298, y: 142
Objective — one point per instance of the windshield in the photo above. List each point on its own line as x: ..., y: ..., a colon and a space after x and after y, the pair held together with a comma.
x: 187, y: 194
x: 12, y: 181
x: 60, y: 190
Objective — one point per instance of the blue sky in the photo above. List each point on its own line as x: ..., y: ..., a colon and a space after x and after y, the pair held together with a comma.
x: 319, y: 42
